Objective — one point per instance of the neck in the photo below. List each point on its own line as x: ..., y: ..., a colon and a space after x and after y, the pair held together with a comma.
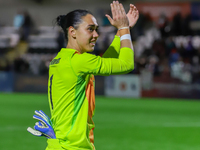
x: 73, y: 45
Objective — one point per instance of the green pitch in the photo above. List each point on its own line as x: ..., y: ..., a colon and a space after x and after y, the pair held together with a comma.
x: 121, y: 124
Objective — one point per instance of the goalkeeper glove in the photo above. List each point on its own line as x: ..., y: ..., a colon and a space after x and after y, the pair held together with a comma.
x: 43, y: 127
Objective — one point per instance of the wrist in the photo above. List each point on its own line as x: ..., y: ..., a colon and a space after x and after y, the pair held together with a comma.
x: 123, y: 31
x: 123, y: 28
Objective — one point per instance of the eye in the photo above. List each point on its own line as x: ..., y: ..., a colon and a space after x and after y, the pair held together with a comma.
x: 91, y: 29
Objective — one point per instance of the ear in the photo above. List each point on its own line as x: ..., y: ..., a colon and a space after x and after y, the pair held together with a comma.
x: 72, y: 32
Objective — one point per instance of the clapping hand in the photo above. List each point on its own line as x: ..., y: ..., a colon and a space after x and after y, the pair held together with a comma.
x: 132, y: 15
x: 119, y: 18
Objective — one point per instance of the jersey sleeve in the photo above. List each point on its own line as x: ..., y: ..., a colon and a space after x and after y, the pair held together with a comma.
x: 90, y: 64
x: 114, y: 49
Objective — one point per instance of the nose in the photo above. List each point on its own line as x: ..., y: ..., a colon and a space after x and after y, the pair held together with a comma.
x: 95, y: 34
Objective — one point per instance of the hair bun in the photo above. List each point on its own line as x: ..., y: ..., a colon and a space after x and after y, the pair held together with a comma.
x: 60, y: 19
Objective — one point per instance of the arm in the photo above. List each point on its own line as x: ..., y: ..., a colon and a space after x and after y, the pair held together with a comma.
x: 124, y: 63
x: 121, y: 22
x: 114, y: 48
x: 90, y: 64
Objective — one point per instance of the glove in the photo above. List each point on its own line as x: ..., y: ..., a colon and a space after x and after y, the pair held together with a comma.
x: 43, y: 127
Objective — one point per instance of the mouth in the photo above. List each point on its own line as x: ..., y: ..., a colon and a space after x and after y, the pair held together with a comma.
x: 93, y: 43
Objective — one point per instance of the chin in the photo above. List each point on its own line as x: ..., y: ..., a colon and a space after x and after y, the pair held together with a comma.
x: 90, y: 50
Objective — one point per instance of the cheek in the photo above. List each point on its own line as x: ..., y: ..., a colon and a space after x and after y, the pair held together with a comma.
x: 83, y: 36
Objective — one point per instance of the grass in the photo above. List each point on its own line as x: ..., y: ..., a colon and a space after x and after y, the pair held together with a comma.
x: 121, y: 123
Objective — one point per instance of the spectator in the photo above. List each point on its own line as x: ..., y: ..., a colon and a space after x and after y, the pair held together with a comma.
x: 186, y: 25
x: 18, y: 20
x: 152, y: 66
x: 173, y: 57
x: 169, y: 45
x: 26, y: 26
x: 177, y: 24
x: 162, y: 24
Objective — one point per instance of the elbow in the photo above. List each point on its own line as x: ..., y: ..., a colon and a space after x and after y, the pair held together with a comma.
x: 130, y: 67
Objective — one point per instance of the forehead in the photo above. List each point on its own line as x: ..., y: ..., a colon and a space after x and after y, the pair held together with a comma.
x: 89, y: 20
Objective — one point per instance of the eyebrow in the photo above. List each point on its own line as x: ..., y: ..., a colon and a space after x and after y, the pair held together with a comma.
x: 92, y: 25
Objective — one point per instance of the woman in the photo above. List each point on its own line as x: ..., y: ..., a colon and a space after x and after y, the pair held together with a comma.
x: 71, y: 80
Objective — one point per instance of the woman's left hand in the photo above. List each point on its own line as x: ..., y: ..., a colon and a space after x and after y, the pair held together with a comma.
x: 132, y: 15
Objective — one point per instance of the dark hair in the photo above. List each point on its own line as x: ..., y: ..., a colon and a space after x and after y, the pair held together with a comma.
x: 73, y: 18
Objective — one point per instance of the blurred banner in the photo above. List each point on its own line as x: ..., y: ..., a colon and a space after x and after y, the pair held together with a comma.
x: 123, y: 86
x: 173, y: 90
x: 154, y: 10
x: 6, y: 81
x: 30, y: 83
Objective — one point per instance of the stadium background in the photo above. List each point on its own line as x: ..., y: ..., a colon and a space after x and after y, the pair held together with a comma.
x: 154, y: 107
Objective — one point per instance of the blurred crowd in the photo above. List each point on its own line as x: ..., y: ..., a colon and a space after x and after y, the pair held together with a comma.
x: 166, y: 48
x: 163, y: 47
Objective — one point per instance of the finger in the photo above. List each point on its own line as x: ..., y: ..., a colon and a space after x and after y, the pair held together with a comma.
x: 43, y: 130
x: 41, y: 115
x: 34, y: 132
x: 136, y: 15
x: 119, y: 11
x: 122, y: 9
x: 46, y: 131
x: 41, y: 119
x: 109, y: 18
x: 113, y: 10
x: 44, y: 114
x: 131, y: 8
x: 134, y: 8
x: 135, y: 11
x: 40, y: 124
x: 38, y: 113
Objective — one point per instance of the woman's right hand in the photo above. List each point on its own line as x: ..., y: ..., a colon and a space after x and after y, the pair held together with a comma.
x: 119, y: 18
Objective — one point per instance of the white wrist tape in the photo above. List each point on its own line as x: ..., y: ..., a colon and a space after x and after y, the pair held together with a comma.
x: 123, y: 28
x: 125, y: 37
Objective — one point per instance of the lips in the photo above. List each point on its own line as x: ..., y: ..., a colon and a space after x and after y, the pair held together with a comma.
x: 93, y: 43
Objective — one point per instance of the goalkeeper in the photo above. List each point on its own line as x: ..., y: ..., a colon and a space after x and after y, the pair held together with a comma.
x: 71, y: 74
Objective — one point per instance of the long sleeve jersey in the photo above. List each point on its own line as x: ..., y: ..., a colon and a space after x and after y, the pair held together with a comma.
x: 71, y: 92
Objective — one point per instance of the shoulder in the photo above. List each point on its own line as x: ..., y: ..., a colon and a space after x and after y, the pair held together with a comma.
x: 85, y: 61
x: 85, y: 57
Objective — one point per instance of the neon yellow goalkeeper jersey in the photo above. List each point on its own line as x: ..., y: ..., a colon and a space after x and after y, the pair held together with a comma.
x: 71, y: 92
